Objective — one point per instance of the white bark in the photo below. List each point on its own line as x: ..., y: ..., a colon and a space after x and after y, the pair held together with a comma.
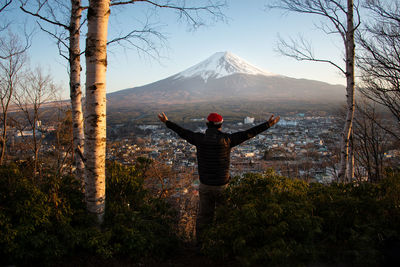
x: 342, y: 20
x: 75, y: 87
x: 350, y: 161
x: 95, y: 113
x: 345, y: 160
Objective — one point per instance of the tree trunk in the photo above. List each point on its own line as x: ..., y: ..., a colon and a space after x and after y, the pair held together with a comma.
x: 75, y: 87
x: 35, y: 145
x: 95, y: 113
x: 350, y: 162
x: 13, y: 68
x: 4, y: 124
x: 344, y: 153
x: 3, y: 137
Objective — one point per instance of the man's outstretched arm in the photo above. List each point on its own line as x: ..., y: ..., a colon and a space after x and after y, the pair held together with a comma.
x: 163, y: 118
x: 240, y: 137
x: 182, y: 132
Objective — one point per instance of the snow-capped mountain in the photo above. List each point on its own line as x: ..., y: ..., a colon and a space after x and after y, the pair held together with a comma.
x: 219, y: 65
x: 225, y: 77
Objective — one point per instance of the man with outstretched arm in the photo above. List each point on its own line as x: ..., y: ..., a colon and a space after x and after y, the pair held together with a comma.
x: 213, y: 160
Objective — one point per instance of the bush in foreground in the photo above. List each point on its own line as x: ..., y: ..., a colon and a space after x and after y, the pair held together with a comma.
x: 267, y: 220
x: 40, y: 221
x: 273, y: 220
x: 139, y: 225
x: 43, y: 221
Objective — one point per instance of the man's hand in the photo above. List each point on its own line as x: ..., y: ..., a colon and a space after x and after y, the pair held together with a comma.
x: 162, y: 117
x: 272, y: 121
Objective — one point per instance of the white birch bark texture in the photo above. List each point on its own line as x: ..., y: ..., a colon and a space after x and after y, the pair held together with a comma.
x: 340, y: 15
x: 95, y: 113
x: 75, y: 87
x: 50, y: 12
x: 346, y: 162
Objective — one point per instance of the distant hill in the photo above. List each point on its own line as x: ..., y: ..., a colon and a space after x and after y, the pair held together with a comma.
x: 227, y: 83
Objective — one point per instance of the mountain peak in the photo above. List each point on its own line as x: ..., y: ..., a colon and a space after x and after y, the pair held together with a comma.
x: 221, y: 64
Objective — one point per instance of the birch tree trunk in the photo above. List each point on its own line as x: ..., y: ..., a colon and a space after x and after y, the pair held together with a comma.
x: 4, y: 115
x: 3, y: 138
x: 342, y: 20
x: 95, y: 113
x: 48, y: 11
x: 75, y: 87
x: 345, y: 160
x: 35, y: 144
x: 350, y: 162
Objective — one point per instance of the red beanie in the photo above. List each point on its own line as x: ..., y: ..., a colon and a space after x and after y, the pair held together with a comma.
x: 215, y: 118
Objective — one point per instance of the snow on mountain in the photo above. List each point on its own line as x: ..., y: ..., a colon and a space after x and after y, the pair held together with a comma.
x: 219, y: 65
x: 226, y: 78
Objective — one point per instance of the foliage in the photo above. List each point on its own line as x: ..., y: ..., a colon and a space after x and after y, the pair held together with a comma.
x: 272, y: 220
x: 39, y: 222
x: 267, y: 220
x: 45, y: 220
x: 361, y: 221
x: 139, y: 224
x: 351, y: 220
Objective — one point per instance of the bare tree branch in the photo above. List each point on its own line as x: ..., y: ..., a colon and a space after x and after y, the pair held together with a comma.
x: 301, y: 50
x: 36, y: 89
x: 21, y: 48
x: 379, y: 60
x: 36, y: 14
x: 59, y: 40
x: 340, y: 14
x: 191, y: 13
x: 10, y: 69
x: 141, y: 40
x: 380, y: 124
x: 5, y: 4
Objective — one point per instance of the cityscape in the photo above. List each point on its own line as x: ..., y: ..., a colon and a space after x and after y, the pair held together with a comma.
x: 299, y: 146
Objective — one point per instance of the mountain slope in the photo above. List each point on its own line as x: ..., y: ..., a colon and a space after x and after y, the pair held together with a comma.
x: 226, y: 77
x: 219, y: 65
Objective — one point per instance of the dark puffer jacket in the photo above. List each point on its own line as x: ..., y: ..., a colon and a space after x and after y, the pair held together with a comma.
x: 213, y: 150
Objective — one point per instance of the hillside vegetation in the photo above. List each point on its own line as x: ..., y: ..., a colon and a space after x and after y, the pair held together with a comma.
x: 267, y: 220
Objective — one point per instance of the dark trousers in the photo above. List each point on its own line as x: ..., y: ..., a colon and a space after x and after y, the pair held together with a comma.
x: 210, y: 199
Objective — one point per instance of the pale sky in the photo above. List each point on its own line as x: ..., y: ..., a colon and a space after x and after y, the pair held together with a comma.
x: 251, y: 32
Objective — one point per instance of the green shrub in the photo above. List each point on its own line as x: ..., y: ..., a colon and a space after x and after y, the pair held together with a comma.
x: 44, y: 221
x: 272, y: 220
x: 36, y: 219
x: 352, y: 218
x: 389, y: 234
x: 139, y: 224
x: 267, y: 220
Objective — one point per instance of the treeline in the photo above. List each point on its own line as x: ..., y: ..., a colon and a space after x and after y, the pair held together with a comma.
x: 267, y: 220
